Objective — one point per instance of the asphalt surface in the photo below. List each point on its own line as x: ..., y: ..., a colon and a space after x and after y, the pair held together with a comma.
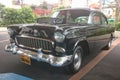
x: 108, y: 68
x: 3, y: 36
x: 38, y: 71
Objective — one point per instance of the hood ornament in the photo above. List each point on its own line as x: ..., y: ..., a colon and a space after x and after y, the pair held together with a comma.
x: 35, y: 32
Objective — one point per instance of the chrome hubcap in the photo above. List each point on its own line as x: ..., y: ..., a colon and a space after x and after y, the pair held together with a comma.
x: 109, y: 44
x: 77, y: 60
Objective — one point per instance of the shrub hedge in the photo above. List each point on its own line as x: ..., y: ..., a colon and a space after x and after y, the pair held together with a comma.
x: 17, y: 16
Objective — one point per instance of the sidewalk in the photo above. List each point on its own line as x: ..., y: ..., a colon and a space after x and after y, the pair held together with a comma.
x: 104, y: 66
x: 108, y: 68
x: 3, y: 29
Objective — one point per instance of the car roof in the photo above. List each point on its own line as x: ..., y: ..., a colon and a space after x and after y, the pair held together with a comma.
x: 86, y: 9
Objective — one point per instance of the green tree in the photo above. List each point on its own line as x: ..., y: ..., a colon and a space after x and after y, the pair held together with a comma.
x: 1, y: 6
x: 27, y: 15
x: 17, y: 16
x: 1, y: 14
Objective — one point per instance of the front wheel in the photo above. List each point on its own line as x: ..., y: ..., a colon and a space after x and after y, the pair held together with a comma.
x: 76, y: 62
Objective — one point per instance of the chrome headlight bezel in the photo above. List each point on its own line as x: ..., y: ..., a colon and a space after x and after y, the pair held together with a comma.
x: 59, y: 37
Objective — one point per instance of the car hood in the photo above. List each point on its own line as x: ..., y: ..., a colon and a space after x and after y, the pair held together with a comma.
x: 42, y: 30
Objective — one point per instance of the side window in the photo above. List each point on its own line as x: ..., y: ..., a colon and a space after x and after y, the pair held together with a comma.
x: 96, y: 19
x: 104, y: 21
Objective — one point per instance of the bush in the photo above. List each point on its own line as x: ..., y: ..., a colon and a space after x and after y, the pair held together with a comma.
x: 1, y: 23
x: 118, y: 26
x: 18, y: 16
x: 115, y: 25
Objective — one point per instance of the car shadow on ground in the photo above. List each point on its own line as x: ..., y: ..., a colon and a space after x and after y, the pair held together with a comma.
x: 43, y: 71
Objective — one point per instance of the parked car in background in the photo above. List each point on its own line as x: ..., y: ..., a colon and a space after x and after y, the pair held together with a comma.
x: 111, y: 20
x: 62, y: 39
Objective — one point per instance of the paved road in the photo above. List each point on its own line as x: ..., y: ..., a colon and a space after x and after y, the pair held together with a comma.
x: 3, y: 36
x: 39, y: 71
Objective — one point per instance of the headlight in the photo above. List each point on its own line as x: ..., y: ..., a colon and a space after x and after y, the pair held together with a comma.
x: 10, y: 31
x: 59, y: 37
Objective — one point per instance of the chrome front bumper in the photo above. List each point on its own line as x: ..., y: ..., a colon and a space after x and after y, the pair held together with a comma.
x: 40, y: 56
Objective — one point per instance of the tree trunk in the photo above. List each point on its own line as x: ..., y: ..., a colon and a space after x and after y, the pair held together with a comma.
x: 117, y: 10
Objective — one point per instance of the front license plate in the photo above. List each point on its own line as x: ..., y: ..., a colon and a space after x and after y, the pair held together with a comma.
x: 25, y: 59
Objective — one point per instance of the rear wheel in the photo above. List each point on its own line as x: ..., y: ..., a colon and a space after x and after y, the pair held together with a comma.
x: 108, y: 45
x: 76, y: 62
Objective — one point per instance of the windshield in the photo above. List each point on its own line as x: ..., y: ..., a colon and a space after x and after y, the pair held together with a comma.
x: 73, y: 16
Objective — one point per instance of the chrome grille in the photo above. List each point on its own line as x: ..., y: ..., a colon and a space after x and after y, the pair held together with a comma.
x: 34, y: 43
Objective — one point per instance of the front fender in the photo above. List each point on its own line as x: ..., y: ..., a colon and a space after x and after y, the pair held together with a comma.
x: 73, y: 43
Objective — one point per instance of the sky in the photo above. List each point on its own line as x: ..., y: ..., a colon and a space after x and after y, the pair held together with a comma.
x: 76, y: 3
x: 5, y: 2
x: 36, y: 2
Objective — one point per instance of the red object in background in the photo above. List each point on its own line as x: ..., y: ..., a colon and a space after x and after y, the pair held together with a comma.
x: 94, y: 5
x: 41, y: 12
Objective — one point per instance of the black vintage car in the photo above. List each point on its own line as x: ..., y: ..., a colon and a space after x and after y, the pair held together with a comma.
x: 62, y: 39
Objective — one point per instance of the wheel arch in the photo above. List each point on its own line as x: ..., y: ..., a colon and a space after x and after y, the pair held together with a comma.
x: 77, y: 44
x: 84, y: 45
x: 73, y: 43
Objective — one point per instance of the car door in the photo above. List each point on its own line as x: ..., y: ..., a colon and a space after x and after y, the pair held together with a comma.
x: 101, y: 28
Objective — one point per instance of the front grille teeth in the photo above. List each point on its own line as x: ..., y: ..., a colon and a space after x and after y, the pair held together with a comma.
x: 34, y: 43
